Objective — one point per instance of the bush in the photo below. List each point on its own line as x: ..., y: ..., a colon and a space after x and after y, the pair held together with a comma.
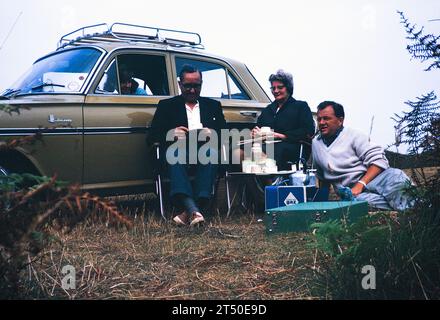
x: 404, y: 252
x: 30, y: 208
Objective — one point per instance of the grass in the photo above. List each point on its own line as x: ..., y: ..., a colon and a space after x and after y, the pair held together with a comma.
x: 225, y: 259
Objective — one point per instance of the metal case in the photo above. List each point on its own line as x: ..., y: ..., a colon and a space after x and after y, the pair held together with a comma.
x: 299, y: 217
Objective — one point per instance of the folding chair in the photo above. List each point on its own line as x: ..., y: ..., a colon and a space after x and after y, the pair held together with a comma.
x: 158, y: 178
x: 159, y: 169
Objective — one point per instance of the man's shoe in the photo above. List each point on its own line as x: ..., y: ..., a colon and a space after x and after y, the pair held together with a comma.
x: 196, y: 218
x: 181, y: 219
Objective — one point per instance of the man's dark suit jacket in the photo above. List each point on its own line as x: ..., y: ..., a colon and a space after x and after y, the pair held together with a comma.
x: 171, y: 113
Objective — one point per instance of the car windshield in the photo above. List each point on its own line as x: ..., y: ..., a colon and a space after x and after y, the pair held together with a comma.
x: 64, y: 72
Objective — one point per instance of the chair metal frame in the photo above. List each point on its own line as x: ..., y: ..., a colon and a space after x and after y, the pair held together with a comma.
x: 159, y: 179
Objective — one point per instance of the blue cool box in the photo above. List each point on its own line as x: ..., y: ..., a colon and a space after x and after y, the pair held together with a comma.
x: 280, y: 196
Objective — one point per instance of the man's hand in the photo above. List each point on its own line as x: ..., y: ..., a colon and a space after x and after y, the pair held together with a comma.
x: 206, y: 131
x: 357, y: 189
x: 205, y: 134
x: 372, y: 172
x: 180, y: 132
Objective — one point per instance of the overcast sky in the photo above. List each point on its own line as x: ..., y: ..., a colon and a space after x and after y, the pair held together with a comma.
x: 350, y: 51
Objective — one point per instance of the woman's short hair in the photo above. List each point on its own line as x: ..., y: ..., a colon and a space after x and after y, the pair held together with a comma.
x: 283, y: 77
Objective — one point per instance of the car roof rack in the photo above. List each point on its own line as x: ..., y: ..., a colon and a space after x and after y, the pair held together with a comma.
x: 124, y: 32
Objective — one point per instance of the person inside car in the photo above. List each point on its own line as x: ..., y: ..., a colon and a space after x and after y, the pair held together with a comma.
x: 128, y: 84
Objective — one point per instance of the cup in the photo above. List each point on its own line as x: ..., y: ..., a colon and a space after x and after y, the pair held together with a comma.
x: 265, y: 130
x: 270, y: 162
x: 255, y: 168
x: 266, y: 133
x: 246, y: 165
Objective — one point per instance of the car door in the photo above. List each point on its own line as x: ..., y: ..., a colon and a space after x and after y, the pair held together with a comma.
x: 116, y: 154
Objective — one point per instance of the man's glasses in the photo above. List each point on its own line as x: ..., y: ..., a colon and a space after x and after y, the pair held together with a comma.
x: 189, y: 86
x: 277, y: 87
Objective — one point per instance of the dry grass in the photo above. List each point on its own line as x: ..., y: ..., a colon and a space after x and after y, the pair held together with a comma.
x: 225, y: 259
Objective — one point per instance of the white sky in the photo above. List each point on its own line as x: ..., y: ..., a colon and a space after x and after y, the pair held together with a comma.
x: 350, y: 51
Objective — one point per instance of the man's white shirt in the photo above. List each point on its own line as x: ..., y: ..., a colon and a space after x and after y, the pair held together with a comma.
x: 193, y: 116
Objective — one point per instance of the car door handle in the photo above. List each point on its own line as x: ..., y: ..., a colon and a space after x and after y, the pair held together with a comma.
x: 249, y: 113
x: 53, y: 119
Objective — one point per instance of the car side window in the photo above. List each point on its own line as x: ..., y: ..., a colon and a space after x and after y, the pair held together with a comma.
x: 135, y: 74
x: 216, y: 79
x: 236, y: 90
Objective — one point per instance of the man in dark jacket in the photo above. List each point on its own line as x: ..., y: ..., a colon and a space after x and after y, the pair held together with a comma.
x: 174, y: 119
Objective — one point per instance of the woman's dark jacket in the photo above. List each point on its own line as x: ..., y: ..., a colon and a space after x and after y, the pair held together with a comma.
x: 294, y: 119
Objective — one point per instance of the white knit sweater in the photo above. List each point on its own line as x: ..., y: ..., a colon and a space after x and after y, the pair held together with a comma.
x: 347, y: 159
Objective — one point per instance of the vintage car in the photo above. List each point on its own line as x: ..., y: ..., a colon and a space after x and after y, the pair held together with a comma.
x: 93, y: 130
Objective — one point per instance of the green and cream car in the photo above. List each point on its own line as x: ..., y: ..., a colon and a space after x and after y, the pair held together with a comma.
x: 95, y: 133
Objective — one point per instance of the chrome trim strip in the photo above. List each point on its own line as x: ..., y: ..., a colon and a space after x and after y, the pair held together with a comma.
x: 88, y: 130
x: 110, y: 131
x: 45, y: 133
x: 95, y: 71
x: 29, y: 131
x: 72, y: 131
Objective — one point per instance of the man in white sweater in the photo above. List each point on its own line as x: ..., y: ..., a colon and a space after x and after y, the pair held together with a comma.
x: 345, y: 158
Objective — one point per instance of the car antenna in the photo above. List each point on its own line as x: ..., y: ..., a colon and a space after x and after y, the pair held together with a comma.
x: 10, y: 31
